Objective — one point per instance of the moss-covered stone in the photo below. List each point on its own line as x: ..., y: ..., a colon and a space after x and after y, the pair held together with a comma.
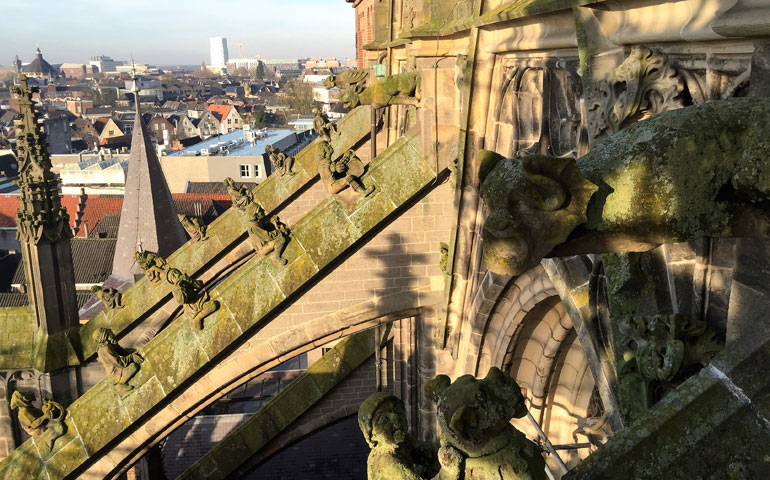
x: 326, y: 232
x: 174, y: 354
x: 99, y: 416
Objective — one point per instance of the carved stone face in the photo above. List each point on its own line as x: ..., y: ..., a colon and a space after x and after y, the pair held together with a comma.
x: 350, y: 98
x: 533, y: 204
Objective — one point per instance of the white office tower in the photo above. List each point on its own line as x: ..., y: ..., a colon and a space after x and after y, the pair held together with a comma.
x: 219, y: 56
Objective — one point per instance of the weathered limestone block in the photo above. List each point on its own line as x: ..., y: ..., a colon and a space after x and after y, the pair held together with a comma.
x: 45, y: 425
x: 680, y: 175
x: 477, y: 440
x: 400, y: 89
x: 395, y: 454
x: 191, y: 293
x: 193, y: 227
x: 120, y: 364
x: 110, y: 297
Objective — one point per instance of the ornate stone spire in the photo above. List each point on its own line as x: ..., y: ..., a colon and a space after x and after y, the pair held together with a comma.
x: 42, y: 223
x: 148, y: 218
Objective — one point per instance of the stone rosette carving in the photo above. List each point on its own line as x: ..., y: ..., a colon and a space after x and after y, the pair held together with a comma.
x: 399, y: 89
x: 395, y: 454
x: 194, y: 228
x: 120, y: 364
x: 43, y: 425
x: 645, y: 84
x: 477, y: 439
x: 282, y: 163
x: 41, y: 216
x: 681, y: 175
x: 110, y: 297
x: 655, y: 353
x: 191, y: 293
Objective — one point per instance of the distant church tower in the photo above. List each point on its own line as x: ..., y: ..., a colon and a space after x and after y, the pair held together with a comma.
x: 16, y: 64
x: 148, y: 218
x: 43, y: 224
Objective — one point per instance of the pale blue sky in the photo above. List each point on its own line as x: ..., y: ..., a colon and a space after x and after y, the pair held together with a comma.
x: 174, y: 31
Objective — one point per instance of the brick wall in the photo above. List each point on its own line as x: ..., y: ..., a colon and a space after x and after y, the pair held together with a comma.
x: 364, y: 29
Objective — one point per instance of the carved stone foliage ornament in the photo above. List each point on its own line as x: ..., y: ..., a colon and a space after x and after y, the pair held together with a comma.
x: 110, y: 297
x: 645, y: 84
x: 477, y: 439
x: 154, y: 266
x: 191, y: 293
x: 43, y: 425
x: 395, y: 454
x: 194, y: 228
x: 400, y: 89
x: 40, y: 216
x: 656, y: 353
x: 120, y: 364
x: 683, y: 174
x: 539, y: 108
x: 282, y: 163
x: 343, y: 173
x: 269, y: 236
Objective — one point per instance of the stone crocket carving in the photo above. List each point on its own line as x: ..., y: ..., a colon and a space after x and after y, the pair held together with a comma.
x: 120, y: 364
x: 191, y: 293
x: 699, y: 171
x: 395, y: 454
x: 400, y: 89
x: 282, y: 163
x: 43, y: 425
x: 110, y: 297
x: 474, y: 419
x: 194, y: 228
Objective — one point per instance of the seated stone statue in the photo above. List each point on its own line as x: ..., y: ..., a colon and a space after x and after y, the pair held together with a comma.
x: 474, y: 419
x: 154, y: 265
x: 44, y: 426
x: 269, y: 238
x: 342, y: 173
x: 322, y: 125
x: 241, y: 196
x: 193, y: 227
x: 110, y: 297
x: 395, y: 454
x: 400, y: 89
x: 120, y: 364
x: 699, y: 171
x: 281, y: 162
x: 191, y: 293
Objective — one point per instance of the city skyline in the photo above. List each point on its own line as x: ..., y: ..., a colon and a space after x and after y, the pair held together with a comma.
x: 67, y: 33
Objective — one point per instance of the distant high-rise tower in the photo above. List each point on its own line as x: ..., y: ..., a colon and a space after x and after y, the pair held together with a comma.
x: 219, y: 56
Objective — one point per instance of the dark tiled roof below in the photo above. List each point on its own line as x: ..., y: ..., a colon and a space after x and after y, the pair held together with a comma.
x: 13, y: 300
x: 91, y: 258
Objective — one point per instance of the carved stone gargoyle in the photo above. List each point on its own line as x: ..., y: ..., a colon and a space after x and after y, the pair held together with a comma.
x: 347, y: 79
x: 282, y: 163
x: 400, y: 89
x: 193, y: 227
x: 269, y: 236
x: 474, y: 419
x: 242, y: 197
x: 154, y: 266
x: 110, y: 297
x: 699, y: 171
x: 337, y: 175
x: 323, y: 126
x: 120, y: 364
x: 43, y: 425
x: 395, y: 454
x: 191, y: 293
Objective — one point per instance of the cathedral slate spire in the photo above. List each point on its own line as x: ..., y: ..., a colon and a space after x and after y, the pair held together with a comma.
x: 42, y: 224
x: 148, y: 218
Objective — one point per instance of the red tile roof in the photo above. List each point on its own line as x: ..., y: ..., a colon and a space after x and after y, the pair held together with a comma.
x: 220, y: 110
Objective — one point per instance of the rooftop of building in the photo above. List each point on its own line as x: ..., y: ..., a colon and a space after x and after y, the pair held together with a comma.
x: 236, y: 143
